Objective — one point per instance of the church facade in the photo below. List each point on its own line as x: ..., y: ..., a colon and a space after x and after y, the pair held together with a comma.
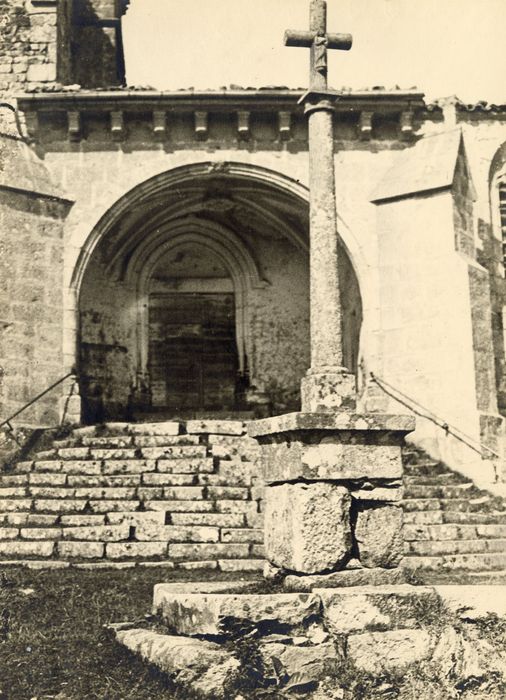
x: 155, y: 244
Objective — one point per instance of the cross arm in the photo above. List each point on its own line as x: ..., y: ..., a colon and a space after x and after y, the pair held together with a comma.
x: 306, y: 39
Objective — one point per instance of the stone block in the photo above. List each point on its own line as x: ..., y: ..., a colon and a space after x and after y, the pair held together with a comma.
x: 195, y: 551
x: 173, y: 533
x: 183, y: 493
x: 163, y: 440
x: 139, y: 550
x: 241, y: 564
x: 393, y: 493
x: 186, y: 466
x: 378, y: 533
x: 221, y: 427
x: 162, y: 428
x: 376, y: 652
x: 54, y: 506
x: 40, y: 533
x: 202, y: 668
x: 41, y: 73
x: 168, y: 479
x: 129, y: 466
x: 360, y: 608
x: 201, y: 613
x: 347, y: 577
x: 246, y: 507
x: 41, y: 520
x: 148, y: 493
x: 314, y: 662
x: 121, y: 453
x: 82, y: 520
x: 74, y: 453
x: 83, y: 467
x: 227, y: 492
x: 52, y: 479
x: 330, y: 457
x: 8, y: 533
x: 180, y: 506
x: 307, y: 526
x: 97, y: 533
x: 109, y: 506
x: 15, y: 479
x: 242, y: 535
x: 135, y: 518
x: 328, y: 391
x: 227, y: 520
x: 49, y: 465
x: 203, y: 586
x: 80, y: 550
x: 174, y: 452
x: 103, y: 480
x: 108, y: 441
x: 197, y: 565
x: 13, y: 492
x: 51, y: 492
x: 26, y: 549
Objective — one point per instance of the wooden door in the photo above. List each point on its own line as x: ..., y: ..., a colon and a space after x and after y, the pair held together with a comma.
x: 192, y: 351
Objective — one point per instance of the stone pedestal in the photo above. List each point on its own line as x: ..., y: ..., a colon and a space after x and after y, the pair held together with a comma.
x: 333, y: 486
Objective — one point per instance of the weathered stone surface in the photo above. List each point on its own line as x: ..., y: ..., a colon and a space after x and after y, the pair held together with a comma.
x: 208, y: 551
x: 172, y: 533
x: 242, y: 535
x: 80, y: 550
x: 331, y: 421
x: 359, y: 608
x: 190, y: 587
x: 208, y: 613
x: 328, y: 391
x: 174, y: 451
x: 378, y: 533
x: 332, y: 456
x: 313, y: 661
x: 199, y: 666
x: 226, y: 520
x: 185, y: 466
x: 120, y: 550
x: 225, y: 427
x: 128, y: 466
x: 391, y: 650
x: 241, y: 564
x: 163, y: 428
x: 26, y: 549
x: 97, y: 533
x: 307, y: 526
x: 351, y: 577
x: 168, y: 479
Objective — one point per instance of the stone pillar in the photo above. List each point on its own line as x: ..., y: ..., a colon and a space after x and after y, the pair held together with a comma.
x: 328, y: 385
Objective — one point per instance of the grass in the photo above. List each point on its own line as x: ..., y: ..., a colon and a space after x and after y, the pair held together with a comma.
x: 53, y: 644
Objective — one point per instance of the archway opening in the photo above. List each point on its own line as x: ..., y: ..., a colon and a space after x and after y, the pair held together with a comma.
x: 194, y: 300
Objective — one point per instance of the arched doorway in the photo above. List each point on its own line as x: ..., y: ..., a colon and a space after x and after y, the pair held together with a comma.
x: 195, y: 297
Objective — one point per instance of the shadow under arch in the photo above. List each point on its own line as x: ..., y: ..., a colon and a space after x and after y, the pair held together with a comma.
x: 174, y: 181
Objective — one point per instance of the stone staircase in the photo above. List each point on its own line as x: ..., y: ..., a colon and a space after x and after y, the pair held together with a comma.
x: 178, y: 494
x: 188, y: 494
x: 448, y: 522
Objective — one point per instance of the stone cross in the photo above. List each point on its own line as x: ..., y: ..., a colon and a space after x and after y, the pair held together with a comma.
x: 327, y: 386
x: 318, y: 40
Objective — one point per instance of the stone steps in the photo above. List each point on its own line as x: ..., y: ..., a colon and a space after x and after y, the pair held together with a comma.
x: 181, y: 493
x: 448, y: 522
x: 189, y: 494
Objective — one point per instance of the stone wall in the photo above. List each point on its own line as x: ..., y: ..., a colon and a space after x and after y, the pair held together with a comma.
x: 28, y: 48
x: 31, y: 270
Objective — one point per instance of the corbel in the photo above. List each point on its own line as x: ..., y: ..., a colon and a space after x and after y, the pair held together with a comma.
x: 74, y: 127
x: 160, y: 124
x: 285, y: 125
x: 365, y: 125
x: 201, y: 125
x: 243, y: 128
x: 117, y: 125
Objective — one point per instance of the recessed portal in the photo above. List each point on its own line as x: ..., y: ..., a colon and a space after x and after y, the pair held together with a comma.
x: 192, y: 352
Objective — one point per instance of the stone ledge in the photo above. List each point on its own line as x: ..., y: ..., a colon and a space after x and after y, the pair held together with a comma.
x: 379, y: 422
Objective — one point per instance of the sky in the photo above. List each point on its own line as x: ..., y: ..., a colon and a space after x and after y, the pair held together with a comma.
x: 443, y: 47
